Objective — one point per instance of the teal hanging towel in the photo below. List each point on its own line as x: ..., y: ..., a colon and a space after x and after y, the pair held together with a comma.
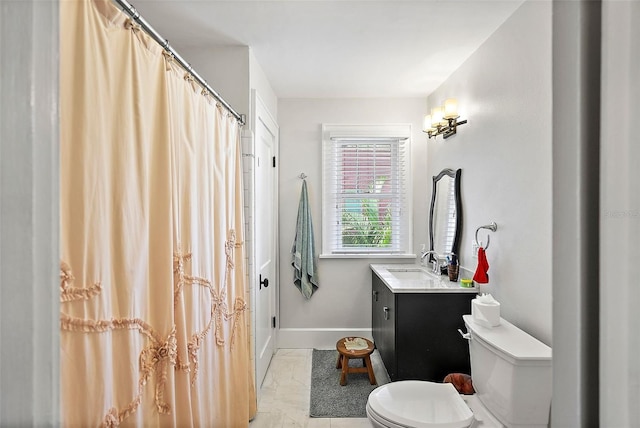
x: 305, y: 270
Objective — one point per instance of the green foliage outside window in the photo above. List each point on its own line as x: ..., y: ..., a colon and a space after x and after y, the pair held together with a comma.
x: 370, y: 226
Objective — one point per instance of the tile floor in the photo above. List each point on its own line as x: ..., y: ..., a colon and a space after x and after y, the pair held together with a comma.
x: 284, y: 398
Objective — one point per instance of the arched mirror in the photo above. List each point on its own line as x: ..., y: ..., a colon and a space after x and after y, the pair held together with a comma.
x: 445, y: 214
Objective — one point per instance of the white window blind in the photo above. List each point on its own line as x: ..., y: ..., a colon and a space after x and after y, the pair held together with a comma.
x: 365, y: 191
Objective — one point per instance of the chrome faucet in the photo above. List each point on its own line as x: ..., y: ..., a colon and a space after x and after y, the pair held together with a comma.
x: 435, y: 266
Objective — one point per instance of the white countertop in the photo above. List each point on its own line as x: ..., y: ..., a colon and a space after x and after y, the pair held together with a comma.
x: 414, y: 278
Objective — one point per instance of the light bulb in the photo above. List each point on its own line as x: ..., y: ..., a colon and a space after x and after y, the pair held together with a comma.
x: 426, y: 126
x: 436, y: 117
x: 451, y: 108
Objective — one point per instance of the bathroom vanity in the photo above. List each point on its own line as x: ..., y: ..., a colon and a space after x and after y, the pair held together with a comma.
x: 415, y: 320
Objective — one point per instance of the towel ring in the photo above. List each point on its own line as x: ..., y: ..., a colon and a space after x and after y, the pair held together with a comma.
x: 492, y: 227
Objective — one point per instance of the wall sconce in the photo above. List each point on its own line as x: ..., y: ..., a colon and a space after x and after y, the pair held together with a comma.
x: 443, y: 120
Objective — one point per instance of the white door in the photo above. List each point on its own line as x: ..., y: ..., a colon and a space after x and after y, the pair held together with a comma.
x: 266, y: 134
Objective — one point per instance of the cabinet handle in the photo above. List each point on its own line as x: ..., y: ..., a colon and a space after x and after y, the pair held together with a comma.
x: 375, y: 295
x: 386, y: 312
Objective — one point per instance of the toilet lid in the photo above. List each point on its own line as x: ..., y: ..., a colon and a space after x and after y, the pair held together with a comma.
x: 421, y: 404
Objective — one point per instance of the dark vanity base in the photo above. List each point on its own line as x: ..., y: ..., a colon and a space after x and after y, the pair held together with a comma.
x: 417, y: 336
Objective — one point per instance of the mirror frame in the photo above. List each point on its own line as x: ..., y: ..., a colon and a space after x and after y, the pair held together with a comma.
x: 455, y: 174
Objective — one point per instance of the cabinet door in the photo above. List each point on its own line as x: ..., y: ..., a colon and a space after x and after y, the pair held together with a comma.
x: 428, y: 345
x: 383, y: 323
x: 376, y: 309
x: 388, y: 331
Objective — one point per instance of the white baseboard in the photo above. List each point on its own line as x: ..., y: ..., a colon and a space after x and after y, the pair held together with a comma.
x: 318, y: 338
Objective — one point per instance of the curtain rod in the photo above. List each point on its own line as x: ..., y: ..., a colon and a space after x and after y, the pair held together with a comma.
x: 135, y: 15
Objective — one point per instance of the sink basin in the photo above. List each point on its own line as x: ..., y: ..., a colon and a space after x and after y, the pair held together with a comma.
x: 412, y: 274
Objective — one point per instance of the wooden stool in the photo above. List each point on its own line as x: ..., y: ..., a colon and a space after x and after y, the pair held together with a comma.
x: 344, y: 355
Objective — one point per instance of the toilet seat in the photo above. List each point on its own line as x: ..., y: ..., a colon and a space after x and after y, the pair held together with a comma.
x: 379, y: 422
x: 418, y: 404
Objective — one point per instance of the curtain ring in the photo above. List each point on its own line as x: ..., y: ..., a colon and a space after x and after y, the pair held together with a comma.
x: 168, y: 55
x: 130, y: 25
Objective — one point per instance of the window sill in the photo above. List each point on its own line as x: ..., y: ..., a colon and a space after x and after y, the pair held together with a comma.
x: 367, y: 256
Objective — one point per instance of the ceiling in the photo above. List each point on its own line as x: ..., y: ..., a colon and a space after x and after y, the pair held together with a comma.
x: 337, y: 48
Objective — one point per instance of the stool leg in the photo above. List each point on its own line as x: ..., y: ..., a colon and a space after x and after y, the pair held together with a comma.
x: 367, y: 363
x: 345, y: 368
x: 339, y: 362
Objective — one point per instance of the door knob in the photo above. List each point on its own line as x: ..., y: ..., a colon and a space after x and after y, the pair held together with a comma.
x: 263, y: 283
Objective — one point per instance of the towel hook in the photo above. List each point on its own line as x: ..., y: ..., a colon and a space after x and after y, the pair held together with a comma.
x: 492, y: 227
x: 302, y: 175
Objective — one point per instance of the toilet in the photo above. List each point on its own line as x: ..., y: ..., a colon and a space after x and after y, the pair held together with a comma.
x: 511, y: 373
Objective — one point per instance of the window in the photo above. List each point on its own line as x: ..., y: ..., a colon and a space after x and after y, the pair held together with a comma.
x: 366, y: 207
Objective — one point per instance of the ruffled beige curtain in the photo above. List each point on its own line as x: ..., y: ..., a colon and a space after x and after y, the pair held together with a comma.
x: 154, y: 322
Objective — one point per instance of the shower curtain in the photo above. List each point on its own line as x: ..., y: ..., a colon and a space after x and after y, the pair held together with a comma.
x: 154, y: 318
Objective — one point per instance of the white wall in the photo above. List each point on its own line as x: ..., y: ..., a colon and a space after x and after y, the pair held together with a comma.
x: 226, y: 70
x: 232, y: 71
x: 29, y: 215
x: 504, y: 90
x: 620, y: 216
x: 342, y: 304
x: 258, y: 81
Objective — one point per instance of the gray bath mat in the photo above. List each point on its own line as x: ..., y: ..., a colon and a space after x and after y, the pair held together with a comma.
x: 331, y: 400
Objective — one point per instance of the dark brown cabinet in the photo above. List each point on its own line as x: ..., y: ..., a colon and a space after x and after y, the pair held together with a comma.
x: 417, y: 333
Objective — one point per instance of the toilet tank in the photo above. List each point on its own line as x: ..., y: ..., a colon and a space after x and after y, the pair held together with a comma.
x: 511, y: 373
